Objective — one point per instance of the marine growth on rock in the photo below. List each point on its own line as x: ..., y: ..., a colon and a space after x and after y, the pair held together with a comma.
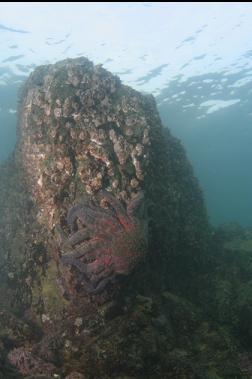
x: 103, y: 219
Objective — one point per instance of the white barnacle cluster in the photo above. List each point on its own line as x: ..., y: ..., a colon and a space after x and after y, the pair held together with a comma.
x: 78, y: 122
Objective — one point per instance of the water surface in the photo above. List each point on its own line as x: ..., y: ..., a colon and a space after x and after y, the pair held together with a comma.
x: 194, y: 57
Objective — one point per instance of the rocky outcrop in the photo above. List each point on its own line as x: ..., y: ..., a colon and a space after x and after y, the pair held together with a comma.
x: 104, y: 216
x: 81, y: 131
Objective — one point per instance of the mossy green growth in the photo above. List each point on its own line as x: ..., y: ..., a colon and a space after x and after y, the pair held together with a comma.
x: 54, y: 302
x: 46, y: 295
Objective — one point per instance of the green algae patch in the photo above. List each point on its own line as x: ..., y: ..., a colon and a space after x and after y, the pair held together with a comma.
x: 47, y: 299
x: 54, y: 302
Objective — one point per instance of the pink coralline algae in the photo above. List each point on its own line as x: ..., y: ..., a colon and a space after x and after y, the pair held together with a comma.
x: 26, y: 363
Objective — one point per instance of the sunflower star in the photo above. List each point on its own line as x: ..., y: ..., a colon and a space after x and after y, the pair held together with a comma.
x: 104, y: 243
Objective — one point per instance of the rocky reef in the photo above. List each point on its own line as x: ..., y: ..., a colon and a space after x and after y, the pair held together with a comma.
x: 108, y: 262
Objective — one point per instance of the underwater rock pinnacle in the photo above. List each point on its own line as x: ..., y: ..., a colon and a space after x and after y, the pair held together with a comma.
x: 103, y: 217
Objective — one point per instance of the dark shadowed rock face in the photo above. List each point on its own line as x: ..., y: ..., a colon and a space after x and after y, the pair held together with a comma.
x: 112, y: 210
